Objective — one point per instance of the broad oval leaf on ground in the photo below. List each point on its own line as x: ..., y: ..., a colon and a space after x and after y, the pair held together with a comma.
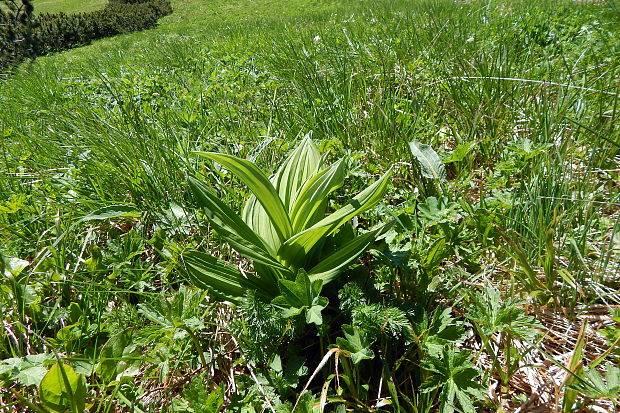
x: 431, y: 165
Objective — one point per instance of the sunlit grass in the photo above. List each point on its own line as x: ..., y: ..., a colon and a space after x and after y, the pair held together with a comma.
x: 67, y: 6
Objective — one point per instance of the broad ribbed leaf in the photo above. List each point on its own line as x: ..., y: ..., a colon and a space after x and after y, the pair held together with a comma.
x: 221, y: 215
x: 294, y: 250
x: 270, y: 275
x: 312, y: 199
x: 330, y: 267
x: 215, y: 275
x: 255, y: 216
x: 257, y: 254
x: 303, y: 163
x: 260, y: 186
x: 431, y: 166
x: 241, y: 237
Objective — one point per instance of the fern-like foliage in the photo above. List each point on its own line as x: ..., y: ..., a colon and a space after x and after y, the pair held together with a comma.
x: 261, y: 329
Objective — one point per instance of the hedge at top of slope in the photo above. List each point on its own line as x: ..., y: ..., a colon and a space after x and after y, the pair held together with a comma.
x: 24, y: 34
x: 62, y: 31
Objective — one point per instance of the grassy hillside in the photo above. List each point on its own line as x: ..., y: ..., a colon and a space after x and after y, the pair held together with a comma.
x: 67, y: 6
x: 500, y: 270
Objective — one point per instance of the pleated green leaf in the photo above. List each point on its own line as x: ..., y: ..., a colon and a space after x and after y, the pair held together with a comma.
x: 215, y: 275
x: 236, y: 232
x: 260, y: 186
x: 221, y: 215
x: 330, y: 267
x: 270, y: 276
x: 312, y: 199
x: 294, y: 250
x: 301, y: 165
x: 255, y: 216
x: 253, y: 252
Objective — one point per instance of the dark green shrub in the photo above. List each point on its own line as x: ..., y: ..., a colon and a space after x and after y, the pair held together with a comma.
x: 16, y: 30
x: 24, y: 35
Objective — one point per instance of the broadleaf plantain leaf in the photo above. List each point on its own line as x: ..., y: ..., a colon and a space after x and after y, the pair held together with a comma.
x: 431, y: 165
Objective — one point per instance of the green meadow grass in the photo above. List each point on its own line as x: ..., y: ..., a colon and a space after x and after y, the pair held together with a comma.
x: 67, y: 6
x: 520, y: 99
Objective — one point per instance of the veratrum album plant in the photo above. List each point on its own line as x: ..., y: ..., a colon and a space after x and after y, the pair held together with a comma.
x: 282, y: 229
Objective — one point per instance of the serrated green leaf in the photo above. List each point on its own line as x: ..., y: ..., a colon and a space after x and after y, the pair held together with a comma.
x: 154, y: 315
x: 31, y: 376
x: 28, y: 370
x: 356, y: 342
x: 306, y: 403
x: 296, y: 293
x: 313, y: 314
x: 215, y: 400
x: 592, y: 384
x: 299, y: 295
x: 456, y: 376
